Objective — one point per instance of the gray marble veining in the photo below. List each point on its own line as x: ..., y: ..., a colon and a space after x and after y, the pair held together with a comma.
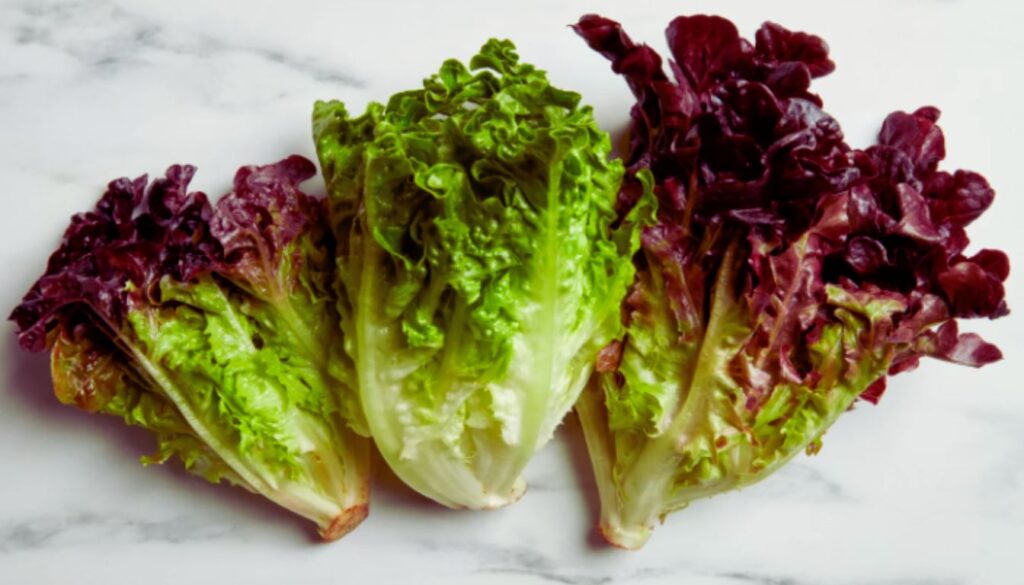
x: 123, y: 36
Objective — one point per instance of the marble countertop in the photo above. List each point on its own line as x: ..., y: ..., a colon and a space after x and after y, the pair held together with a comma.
x: 925, y: 489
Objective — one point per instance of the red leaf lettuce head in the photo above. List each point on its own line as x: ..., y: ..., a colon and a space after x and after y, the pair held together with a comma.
x: 787, y: 273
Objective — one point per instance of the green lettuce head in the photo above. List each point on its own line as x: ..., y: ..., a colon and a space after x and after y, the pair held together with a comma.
x: 480, y: 267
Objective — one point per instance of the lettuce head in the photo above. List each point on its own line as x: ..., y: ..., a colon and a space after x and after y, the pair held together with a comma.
x: 787, y: 273
x: 213, y: 327
x: 480, y: 267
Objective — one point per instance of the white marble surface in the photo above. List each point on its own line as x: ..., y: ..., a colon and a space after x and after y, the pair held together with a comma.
x: 927, y: 488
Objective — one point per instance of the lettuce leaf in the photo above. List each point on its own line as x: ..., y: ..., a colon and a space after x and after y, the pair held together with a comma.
x: 787, y: 273
x: 480, y: 269
x: 212, y: 327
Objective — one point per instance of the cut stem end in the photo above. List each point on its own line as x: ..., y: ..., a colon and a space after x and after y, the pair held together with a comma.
x: 625, y: 537
x: 345, y: 522
x: 495, y: 501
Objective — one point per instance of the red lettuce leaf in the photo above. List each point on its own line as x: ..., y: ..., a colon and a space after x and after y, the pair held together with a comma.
x: 741, y: 152
x: 135, y: 235
x: 141, y: 232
